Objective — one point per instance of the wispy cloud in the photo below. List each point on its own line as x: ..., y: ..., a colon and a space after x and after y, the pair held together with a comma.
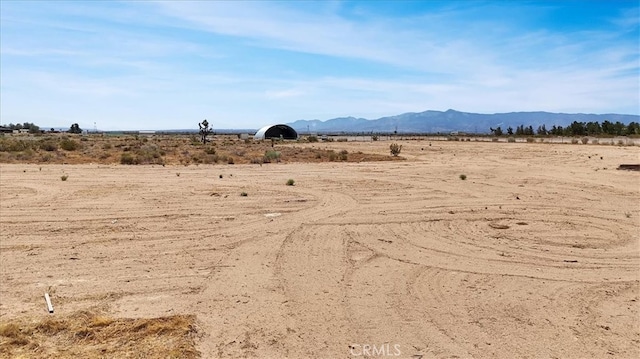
x: 158, y: 64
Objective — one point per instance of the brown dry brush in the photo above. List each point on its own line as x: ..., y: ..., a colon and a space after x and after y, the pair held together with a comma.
x: 89, y: 334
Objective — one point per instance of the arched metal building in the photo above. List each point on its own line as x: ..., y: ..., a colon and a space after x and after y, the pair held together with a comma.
x: 276, y: 131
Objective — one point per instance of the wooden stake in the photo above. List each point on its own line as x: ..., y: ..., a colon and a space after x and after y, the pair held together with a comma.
x: 49, y: 305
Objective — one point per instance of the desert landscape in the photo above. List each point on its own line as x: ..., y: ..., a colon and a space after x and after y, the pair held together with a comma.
x: 454, y: 249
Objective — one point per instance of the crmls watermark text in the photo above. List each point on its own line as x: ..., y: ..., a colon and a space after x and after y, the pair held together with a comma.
x: 373, y: 350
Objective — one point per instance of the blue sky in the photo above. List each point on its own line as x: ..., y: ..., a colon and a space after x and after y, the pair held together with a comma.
x: 240, y: 64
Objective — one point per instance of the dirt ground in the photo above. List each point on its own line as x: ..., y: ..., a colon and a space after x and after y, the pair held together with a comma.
x: 535, y: 255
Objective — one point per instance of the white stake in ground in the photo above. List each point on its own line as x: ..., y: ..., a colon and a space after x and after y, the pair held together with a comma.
x: 49, y: 305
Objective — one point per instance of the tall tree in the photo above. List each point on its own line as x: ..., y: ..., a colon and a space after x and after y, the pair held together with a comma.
x: 75, y: 128
x: 205, y: 130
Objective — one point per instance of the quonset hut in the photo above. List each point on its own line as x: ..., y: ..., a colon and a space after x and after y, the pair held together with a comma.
x: 276, y: 131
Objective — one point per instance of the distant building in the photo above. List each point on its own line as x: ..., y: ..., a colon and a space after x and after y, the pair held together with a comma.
x: 276, y: 131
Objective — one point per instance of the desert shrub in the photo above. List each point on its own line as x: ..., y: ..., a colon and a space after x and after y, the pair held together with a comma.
x: 312, y: 139
x: 328, y: 139
x: 127, y: 159
x: 48, y: 146
x: 106, y: 146
x: 230, y: 160
x: 46, y: 157
x: 531, y: 139
x: 149, y: 154
x: 343, y: 155
x: 271, y: 156
x: 494, y: 140
x: 620, y: 143
x: 463, y: 177
x: 332, y: 155
x: 344, y: 139
x: 594, y: 141
x: 291, y: 182
x: 374, y: 137
x: 210, y: 159
x: 257, y: 160
x: 541, y: 140
x: 210, y: 151
x: 64, y: 177
x: 511, y: 139
x: 585, y: 140
x: 574, y: 141
x: 468, y: 140
x: 13, y: 145
x: 243, y: 194
x: 68, y: 144
x: 395, y: 149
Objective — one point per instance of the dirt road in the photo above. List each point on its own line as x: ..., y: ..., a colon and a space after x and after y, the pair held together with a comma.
x: 536, y: 254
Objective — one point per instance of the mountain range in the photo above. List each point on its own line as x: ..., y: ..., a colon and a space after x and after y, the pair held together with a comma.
x: 452, y: 120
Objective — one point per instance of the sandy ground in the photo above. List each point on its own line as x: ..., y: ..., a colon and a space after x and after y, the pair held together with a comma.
x: 535, y: 255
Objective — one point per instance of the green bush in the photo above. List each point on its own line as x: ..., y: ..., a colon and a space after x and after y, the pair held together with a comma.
x: 127, y: 159
x: 291, y: 182
x: 69, y: 144
x: 243, y: 194
x: 395, y: 149
x: 48, y: 146
x: 511, y: 139
x: 64, y: 177
x: 343, y: 155
x: 332, y: 156
x: 312, y: 139
x: 13, y: 145
x: 271, y: 156
x: 463, y: 177
x: 585, y: 140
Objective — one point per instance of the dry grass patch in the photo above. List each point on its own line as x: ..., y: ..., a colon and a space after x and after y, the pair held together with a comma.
x: 88, y: 334
x: 165, y: 149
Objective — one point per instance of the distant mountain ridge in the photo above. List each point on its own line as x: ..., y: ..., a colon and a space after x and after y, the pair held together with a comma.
x: 452, y: 120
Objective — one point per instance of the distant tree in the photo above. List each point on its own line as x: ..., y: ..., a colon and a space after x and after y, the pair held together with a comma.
x: 33, y: 128
x: 205, y: 130
x: 496, y: 131
x: 633, y: 128
x: 509, y: 131
x: 593, y: 128
x: 607, y: 128
x: 75, y: 128
x: 542, y: 130
x: 529, y: 131
x: 619, y: 128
